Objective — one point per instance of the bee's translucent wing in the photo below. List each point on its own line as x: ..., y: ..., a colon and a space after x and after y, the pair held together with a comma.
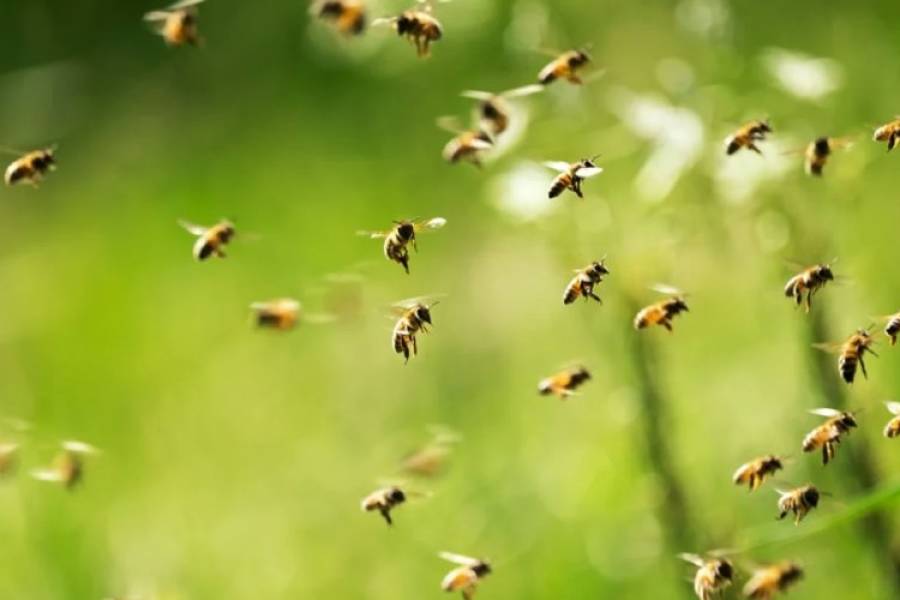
x: 375, y: 235
x: 477, y: 95
x: 557, y: 165
x: 830, y: 347
x: 192, y: 228
x: 156, y: 15
x: 430, y: 224
x: 450, y: 123
x: 691, y: 558
x: 50, y: 475
x: 185, y: 4
x: 669, y: 290
x: 459, y: 559
x: 825, y: 412
x: 586, y: 172
x: 382, y: 21
x: 78, y: 447
x: 525, y: 90
x: 893, y: 407
x: 428, y: 299
x: 319, y: 318
x: 480, y: 144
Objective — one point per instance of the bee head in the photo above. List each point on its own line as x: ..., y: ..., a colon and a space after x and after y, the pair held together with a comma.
x: 481, y: 568
x: 822, y: 146
x: 579, y: 58
x: 598, y: 268
x: 405, y: 24
x: 396, y: 495
x: 826, y: 273
x: 811, y: 496
x: 330, y: 8
x: 848, y: 420
x: 764, y: 126
x: 406, y: 230
x: 724, y: 569
x: 678, y: 305
x: 423, y: 314
x: 489, y: 110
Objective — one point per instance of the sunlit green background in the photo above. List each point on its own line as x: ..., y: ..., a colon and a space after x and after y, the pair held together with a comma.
x: 233, y: 460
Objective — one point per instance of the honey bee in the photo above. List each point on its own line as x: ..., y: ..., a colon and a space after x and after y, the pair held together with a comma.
x: 584, y: 281
x: 572, y: 175
x: 348, y: 16
x: 177, y: 24
x: 747, y: 136
x: 563, y: 384
x: 281, y: 314
x: 766, y: 581
x: 892, y: 327
x: 828, y: 435
x: 414, y: 316
x: 31, y: 167
x: 494, y: 112
x: 810, y: 280
x: 467, y: 144
x: 417, y: 25
x: 755, y: 472
x: 384, y: 501
x: 8, y: 457
x: 565, y: 66
x: 889, y: 132
x: 818, y: 151
x: 210, y: 240
x: 68, y: 466
x: 430, y: 459
x: 398, y: 239
x: 713, y: 575
x: 661, y: 313
x: 851, y: 353
x: 465, y: 577
x: 892, y: 429
x: 799, y: 501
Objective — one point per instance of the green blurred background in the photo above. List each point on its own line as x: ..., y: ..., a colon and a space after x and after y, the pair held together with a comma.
x: 233, y: 460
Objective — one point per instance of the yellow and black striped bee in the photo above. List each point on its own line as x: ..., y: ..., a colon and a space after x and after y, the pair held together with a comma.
x: 211, y: 241
x: 563, y: 384
x: 747, y: 136
x: 31, y: 167
x: 415, y: 315
x: 281, y: 314
x: 828, y: 435
x: 565, y: 66
x: 851, y: 354
x: 892, y: 429
x: 466, y: 576
x: 9, y: 452
x: 810, y: 281
x: 467, y: 144
x: 712, y: 577
x: 68, y: 466
x: 818, y: 151
x: 661, y: 313
x: 755, y: 472
x: 494, y: 112
x: 398, y: 239
x: 177, y: 24
x: 384, y: 501
x: 892, y: 327
x: 572, y: 175
x: 799, y: 501
x: 768, y: 580
x: 889, y: 132
x: 417, y: 25
x: 348, y: 16
x: 582, y: 285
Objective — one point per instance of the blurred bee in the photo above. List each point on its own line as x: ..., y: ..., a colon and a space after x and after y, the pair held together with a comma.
x: 210, y: 240
x: 464, y: 578
x: 8, y: 458
x: 755, y: 472
x: 565, y: 66
x: 851, y: 353
x: 892, y: 429
x: 713, y: 575
x: 828, y: 435
x: 768, y: 580
x: 177, y: 24
x: 348, y: 16
x: 799, y: 501
x: 414, y: 316
x: 572, y: 175
x: 564, y: 383
x: 892, y: 327
x: 430, y: 459
x: 467, y: 144
x: 889, y: 132
x: 494, y: 112
x: 809, y: 280
x: 398, y: 239
x: 68, y: 466
x: 817, y: 152
x: 417, y: 25
x: 384, y: 501
x: 582, y: 285
x: 661, y: 313
x: 31, y: 167
x: 281, y: 314
x: 747, y: 136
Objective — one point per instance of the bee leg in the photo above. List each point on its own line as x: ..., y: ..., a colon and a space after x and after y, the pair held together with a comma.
x: 892, y: 141
x: 782, y: 515
x: 862, y: 365
x: 575, y: 79
x: 667, y: 325
x: 387, y: 516
x: 415, y: 345
x: 753, y: 147
x: 595, y: 296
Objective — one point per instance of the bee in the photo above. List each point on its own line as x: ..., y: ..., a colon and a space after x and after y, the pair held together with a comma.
x: 892, y: 429
x: 661, y: 313
x: 430, y: 459
x: 584, y: 281
x: 817, y: 152
x: 565, y: 66
x: 572, y: 175
x: 417, y: 25
x: 747, y: 136
x: 467, y: 144
x: 210, y: 240
x: 68, y: 466
x: 177, y: 24
x: 384, y: 501
x: 564, y: 383
x: 465, y: 577
x: 8, y: 457
x: 889, y: 132
x: 892, y: 327
x: 398, y: 239
x: 769, y: 579
x: 414, y: 316
x: 755, y: 472
x: 828, y: 435
x: 799, y: 501
x: 851, y: 353
x: 31, y: 167
x: 281, y: 314
x: 810, y: 281
x: 348, y: 16
x: 494, y: 112
x: 713, y: 575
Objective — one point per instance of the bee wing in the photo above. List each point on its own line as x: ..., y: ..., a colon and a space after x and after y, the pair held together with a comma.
x: 375, y: 235
x: 825, y: 412
x: 586, y: 172
x: 78, y: 447
x: 319, y: 318
x: 830, y: 347
x: 192, y: 228
x: 477, y: 95
x: 480, y: 144
x: 525, y: 90
x: 156, y: 15
x: 427, y: 299
x: 450, y: 123
x: 185, y: 4
x: 430, y: 224
x: 459, y: 559
x: 50, y: 475
x: 668, y: 290
x: 557, y: 165
x: 694, y: 559
x: 893, y: 407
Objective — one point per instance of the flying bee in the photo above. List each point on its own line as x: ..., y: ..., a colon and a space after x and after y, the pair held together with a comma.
x: 810, y: 281
x: 210, y: 240
x: 828, y: 435
x: 747, y: 136
x: 467, y: 144
x: 565, y: 66
x: 889, y: 132
x: 8, y: 458
x: 892, y: 429
x: 563, y: 384
x: 414, y: 316
x: 851, y: 353
x: 384, y: 501
x: 348, y: 16
x: 661, y: 313
x: 584, y: 281
x: 431, y: 459
x: 281, y: 314
x: 68, y: 466
x: 494, y: 111
x: 818, y: 151
x: 766, y: 581
x: 572, y: 175
x: 755, y: 472
x: 398, y: 239
x: 892, y: 327
x: 177, y: 24
x: 417, y: 25
x: 466, y: 576
x: 713, y: 575
x: 31, y: 167
x: 799, y: 501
